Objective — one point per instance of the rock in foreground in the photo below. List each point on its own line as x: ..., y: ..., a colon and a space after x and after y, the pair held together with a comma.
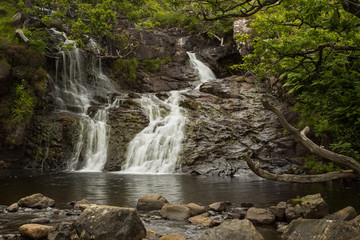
x: 36, y: 201
x: 313, y: 229
x: 110, y: 223
x: 151, y: 202
x: 233, y: 230
x: 175, y: 212
x: 35, y: 231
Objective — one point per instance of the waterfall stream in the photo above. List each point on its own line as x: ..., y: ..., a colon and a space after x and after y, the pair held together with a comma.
x: 74, y: 91
x: 156, y: 149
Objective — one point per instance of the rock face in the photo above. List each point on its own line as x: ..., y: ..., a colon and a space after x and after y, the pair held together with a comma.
x: 35, y: 231
x: 36, y: 201
x: 308, y: 229
x: 110, y: 223
x: 175, y: 212
x: 232, y: 230
x: 151, y: 202
x: 226, y: 119
x: 260, y: 216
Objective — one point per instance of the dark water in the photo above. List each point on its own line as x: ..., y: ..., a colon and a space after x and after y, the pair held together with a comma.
x: 124, y: 190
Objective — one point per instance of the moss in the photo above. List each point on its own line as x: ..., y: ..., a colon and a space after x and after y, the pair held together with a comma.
x: 126, y: 67
x: 297, y: 200
x: 153, y: 65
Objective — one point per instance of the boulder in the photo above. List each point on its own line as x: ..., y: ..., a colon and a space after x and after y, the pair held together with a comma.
x: 175, y: 212
x: 40, y: 220
x: 278, y: 211
x: 314, y: 206
x: 110, y: 223
x: 204, y: 220
x: 62, y: 231
x: 151, y: 202
x: 173, y: 236
x: 36, y: 201
x: 355, y: 222
x: 292, y: 212
x: 196, y: 209
x: 13, y: 207
x: 35, y: 231
x: 260, y: 216
x: 151, y: 235
x: 345, y: 214
x: 217, y: 207
x: 232, y: 230
x: 82, y: 204
x: 308, y: 229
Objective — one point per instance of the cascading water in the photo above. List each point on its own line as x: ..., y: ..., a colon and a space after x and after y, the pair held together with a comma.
x: 156, y: 149
x: 74, y: 93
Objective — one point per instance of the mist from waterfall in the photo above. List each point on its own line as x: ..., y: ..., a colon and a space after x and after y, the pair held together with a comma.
x: 74, y: 91
x: 156, y: 149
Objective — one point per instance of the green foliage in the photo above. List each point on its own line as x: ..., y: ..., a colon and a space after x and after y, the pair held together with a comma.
x: 126, y: 67
x: 316, y: 167
x: 153, y: 65
x: 313, y: 46
x: 24, y: 105
x: 297, y: 200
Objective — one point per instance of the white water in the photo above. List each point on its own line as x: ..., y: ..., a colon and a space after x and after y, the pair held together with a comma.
x: 74, y: 93
x: 156, y: 149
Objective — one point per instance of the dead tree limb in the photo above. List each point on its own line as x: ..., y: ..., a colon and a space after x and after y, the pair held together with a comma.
x: 301, y: 138
x: 20, y: 34
x: 292, y: 178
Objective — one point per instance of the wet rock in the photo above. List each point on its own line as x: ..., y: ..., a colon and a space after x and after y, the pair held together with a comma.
x: 173, y: 236
x: 35, y: 231
x: 281, y: 227
x: 308, y: 229
x: 13, y: 207
x: 151, y: 202
x: 196, y: 209
x: 232, y: 230
x: 292, y: 212
x: 40, y: 220
x: 62, y: 231
x: 355, y: 222
x: 82, y: 204
x: 314, y: 206
x: 175, y: 212
x: 36, y: 201
x: 204, y: 220
x: 260, y: 216
x: 110, y: 223
x: 279, y: 211
x: 345, y: 214
x: 217, y: 207
x: 236, y: 214
x: 13, y: 237
x: 151, y: 235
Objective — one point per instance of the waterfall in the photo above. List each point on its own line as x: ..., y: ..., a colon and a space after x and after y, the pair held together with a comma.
x: 157, y: 147
x: 74, y: 91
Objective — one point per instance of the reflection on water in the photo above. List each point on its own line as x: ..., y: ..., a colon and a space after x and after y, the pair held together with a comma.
x: 124, y: 190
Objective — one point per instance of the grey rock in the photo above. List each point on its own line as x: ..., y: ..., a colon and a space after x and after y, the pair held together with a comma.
x: 36, y: 201
x: 345, y: 214
x: 13, y: 207
x: 217, y: 207
x: 151, y: 202
x: 260, y: 216
x: 110, y: 223
x: 175, y: 212
x: 62, y: 231
x: 232, y: 230
x: 308, y: 229
x: 279, y: 211
x: 196, y: 209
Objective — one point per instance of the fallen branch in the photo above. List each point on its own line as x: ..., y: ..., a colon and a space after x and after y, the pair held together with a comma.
x: 20, y: 34
x: 301, y: 138
x: 292, y: 178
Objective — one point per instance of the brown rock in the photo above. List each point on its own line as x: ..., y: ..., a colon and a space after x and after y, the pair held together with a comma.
x: 36, y: 201
x: 355, y: 222
x: 217, y: 207
x: 175, y: 212
x: 279, y: 211
x: 204, y: 221
x: 35, y: 231
x: 260, y: 216
x: 13, y: 207
x: 151, y: 202
x: 40, y: 220
x: 196, y: 209
x: 173, y: 236
x: 151, y: 235
x: 345, y: 214
x: 314, y: 206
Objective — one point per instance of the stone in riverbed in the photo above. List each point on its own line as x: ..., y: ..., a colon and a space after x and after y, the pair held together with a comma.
x: 62, y: 231
x: 151, y: 202
x: 13, y: 207
x: 314, y: 206
x: 173, y: 236
x: 204, y: 220
x: 308, y: 229
x: 345, y: 214
x: 217, y: 207
x: 278, y: 211
x: 110, y: 223
x: 260, y: 216
x: 151, y: 235
x: 40, y: 220
x: 175, y: 212
x: 36, y: 201
x: 35, y: 231
x: 232, y: 230
x: 355, y: 222
x: 196, y: 209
